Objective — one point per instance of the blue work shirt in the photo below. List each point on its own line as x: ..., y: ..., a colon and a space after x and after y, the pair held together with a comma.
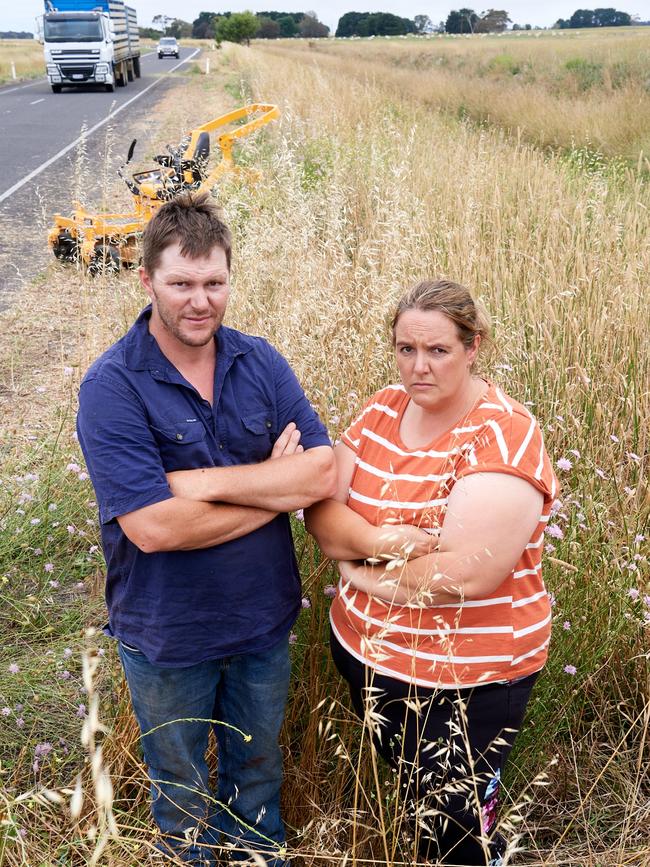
x: 140, y: 418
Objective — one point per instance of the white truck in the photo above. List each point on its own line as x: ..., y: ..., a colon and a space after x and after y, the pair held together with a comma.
x: 88, y: 42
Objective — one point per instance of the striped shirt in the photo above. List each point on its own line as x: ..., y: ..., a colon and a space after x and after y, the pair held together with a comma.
x: 503, y: 636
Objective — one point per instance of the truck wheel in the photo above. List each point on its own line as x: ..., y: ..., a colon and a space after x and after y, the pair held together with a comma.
x: 129, y: 70
x: 136, y: 67
x: 56, y: 88
x: 160, y: 57
x: 122, y: 80
x: 109, y: 88
x: 105, y: 260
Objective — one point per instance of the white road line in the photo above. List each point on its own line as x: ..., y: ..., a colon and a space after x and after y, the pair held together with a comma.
x: 36, y: 101
x: 90, y: 131
x: 22, y: 86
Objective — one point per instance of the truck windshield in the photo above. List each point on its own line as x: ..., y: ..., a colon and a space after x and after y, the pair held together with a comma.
x: 73, y: 29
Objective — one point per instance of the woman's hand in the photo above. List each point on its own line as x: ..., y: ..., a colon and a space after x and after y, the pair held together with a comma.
x: 372, y: 580
x: 404, y: 541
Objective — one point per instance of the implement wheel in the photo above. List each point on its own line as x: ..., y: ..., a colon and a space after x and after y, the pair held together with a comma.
x: 105, y: 260
x: 66, y: 248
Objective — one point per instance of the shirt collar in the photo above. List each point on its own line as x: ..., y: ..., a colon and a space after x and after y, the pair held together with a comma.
x: 141, y: 350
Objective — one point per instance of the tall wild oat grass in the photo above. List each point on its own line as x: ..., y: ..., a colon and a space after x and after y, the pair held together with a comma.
x: 364, y: 191
x: 558, y: 90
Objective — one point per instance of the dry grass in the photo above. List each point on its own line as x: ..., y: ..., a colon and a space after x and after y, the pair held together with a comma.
x: 355, y: 203
x: 25, y: 54
x: 559, y: 89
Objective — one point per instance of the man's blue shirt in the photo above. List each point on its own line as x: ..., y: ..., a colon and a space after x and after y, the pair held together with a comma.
x: 138, y: 419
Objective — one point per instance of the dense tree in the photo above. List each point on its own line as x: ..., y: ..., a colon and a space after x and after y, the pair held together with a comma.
x: 180, y: 29
x: 423, y: 24
x: 203, y: 27
x: 492, y: 21
x: 609, y: 17
x: 311, y: 28
x: 374, y: 24
x: 288, y: 25
x: 461, y: 21
x: 237, y: 27
x: 276, y: 16
x: 267, y: 28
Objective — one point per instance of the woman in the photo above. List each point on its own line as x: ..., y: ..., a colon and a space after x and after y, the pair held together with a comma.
x: 441, y: 622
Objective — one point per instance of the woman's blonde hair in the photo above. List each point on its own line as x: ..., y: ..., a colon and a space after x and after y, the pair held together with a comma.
x: 452, y: 299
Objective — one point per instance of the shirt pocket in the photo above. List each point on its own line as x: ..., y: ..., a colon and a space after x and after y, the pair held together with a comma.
x: 256, y: 441
x: 183, y: 446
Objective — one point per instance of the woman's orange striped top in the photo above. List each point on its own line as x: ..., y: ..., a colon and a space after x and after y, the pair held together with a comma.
x: 504, y: 636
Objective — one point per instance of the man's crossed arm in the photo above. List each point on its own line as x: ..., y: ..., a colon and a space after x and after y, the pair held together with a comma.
x: 215, y: 505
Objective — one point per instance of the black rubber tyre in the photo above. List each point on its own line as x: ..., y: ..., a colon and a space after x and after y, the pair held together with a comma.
x: 105, y: 260
x: 130, y: 74
x: 109, y: 88
x: 136, y: 67
x: 123, y: 78
x: 56, y: 88
x: 160, y: 57
x: 66, y: 248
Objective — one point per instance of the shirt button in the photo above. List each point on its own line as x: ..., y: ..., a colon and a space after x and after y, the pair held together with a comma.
x: 268, y: 424
x: 179, y: 436
x: 221, y: 445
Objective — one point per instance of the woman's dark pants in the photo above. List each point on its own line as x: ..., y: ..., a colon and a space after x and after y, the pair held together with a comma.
x: 449, y: 747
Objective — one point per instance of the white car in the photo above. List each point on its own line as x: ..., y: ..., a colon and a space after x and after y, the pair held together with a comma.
x: 167, y: 47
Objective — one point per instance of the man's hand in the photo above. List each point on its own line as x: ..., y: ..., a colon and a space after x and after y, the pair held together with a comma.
x: 288, y: 443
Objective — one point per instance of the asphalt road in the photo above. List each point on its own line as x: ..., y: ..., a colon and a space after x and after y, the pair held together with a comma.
x: 54, y: 146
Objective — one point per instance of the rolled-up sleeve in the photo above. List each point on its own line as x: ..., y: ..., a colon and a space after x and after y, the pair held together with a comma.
x: 121, y: 452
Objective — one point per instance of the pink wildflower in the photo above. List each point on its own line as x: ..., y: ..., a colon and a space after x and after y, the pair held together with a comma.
x: 14, y: 668
x: 292, y: 638
x: 570, y: 669
x: 554, y: 531
x: 49, y: 567
x: 330, y: 591
x: 566, y: 625
x: 305, y: 602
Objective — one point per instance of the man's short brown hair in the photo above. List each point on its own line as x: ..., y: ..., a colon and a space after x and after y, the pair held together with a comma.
x: 190, y: 220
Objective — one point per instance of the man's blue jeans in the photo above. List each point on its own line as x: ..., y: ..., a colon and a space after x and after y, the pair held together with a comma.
x: 245, y: 697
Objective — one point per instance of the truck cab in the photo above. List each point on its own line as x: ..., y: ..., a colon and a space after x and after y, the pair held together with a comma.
x: 86, y: 44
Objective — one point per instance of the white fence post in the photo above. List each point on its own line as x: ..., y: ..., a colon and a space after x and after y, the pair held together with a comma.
x: 207, y: 66
x: 13, y: 70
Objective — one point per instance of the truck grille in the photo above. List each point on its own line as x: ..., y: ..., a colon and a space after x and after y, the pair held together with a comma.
x: 77, y: 73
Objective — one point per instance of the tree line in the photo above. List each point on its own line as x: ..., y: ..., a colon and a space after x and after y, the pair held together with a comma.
x: 244, y: 26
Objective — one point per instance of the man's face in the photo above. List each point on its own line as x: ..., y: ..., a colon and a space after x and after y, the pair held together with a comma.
x: 189, y: 296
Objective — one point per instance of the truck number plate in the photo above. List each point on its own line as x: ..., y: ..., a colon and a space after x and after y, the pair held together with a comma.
x: 77, y: 75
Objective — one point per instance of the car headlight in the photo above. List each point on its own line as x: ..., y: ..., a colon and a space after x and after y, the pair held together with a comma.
x: 101, y: 68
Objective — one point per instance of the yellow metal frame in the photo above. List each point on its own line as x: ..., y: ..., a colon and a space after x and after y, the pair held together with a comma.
x: 120, y: 232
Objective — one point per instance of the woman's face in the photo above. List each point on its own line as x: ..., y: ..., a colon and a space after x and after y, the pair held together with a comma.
x: 433, y: 363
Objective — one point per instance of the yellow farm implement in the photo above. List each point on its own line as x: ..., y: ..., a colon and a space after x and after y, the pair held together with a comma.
x: 109, y: 241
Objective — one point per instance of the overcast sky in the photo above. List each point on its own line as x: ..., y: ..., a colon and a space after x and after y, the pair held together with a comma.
x: 20, y: 14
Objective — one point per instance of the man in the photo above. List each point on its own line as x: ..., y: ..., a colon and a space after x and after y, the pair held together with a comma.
x: 199, y: 440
